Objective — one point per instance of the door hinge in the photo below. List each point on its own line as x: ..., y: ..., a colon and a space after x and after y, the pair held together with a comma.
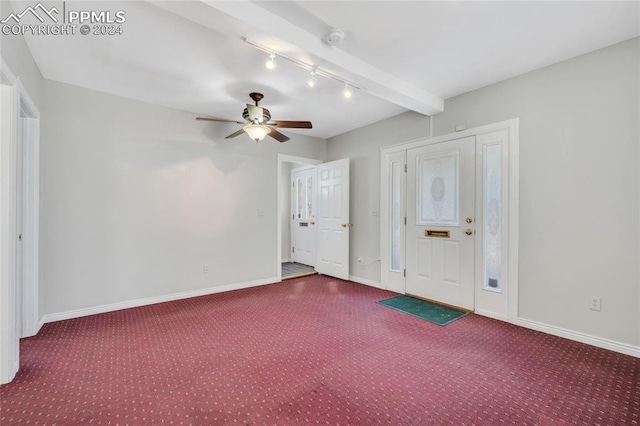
x: 19, y: 237
x: 404, y: 272
x: 405, y: 168
x: 293, y: 249
x: 405, y: 220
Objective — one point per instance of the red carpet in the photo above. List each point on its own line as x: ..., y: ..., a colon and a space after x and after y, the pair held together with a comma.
x: 311, y: 350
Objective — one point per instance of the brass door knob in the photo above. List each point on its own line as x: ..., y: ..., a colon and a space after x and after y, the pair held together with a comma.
x: 469, y: 231
x: 469, y: 219
x: 344, y: 225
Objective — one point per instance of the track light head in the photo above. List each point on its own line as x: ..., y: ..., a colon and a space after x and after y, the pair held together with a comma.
x: 271, y: 63
x: 347, y: 92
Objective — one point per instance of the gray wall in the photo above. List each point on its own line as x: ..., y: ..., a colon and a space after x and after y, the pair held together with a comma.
x: 16, y: 54
x: 137, y: 198
x: 579, y: 186
x: 362, y: 146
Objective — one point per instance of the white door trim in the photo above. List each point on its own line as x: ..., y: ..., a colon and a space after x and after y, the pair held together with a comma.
x: 285, y: 158
x: 512, y: 202
x: 30, y: 239
x: 9, y: 340
x: 18, y: 103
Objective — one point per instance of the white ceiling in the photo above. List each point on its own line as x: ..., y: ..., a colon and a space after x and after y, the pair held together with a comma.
x: 406, y: 55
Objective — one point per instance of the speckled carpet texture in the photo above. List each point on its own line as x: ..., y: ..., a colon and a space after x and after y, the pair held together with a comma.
x: 311, y: 350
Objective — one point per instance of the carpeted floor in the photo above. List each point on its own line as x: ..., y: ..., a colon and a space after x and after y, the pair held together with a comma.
x: 311, y: 350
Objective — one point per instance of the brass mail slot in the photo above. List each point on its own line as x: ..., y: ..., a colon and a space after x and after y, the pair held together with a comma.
x: 437, y: 234
x: 304, y: 224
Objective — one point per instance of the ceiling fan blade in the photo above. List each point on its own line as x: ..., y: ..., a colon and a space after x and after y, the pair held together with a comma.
x: 234, y: 134
x: 222, y: 120
x: 277, y: 135
x: 291, y: 124
x: 255, y: 113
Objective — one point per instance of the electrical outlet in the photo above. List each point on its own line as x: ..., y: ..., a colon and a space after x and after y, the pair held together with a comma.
x: 205, y: 269
x: 595, y: 303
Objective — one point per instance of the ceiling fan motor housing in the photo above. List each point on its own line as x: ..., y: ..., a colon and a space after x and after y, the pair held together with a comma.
x: 266, y: 115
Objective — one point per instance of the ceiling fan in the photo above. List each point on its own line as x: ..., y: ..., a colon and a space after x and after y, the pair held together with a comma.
x: 259, y: 125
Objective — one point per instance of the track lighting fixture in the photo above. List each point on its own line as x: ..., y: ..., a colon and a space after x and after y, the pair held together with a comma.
x: 271, y: 63
x: 314, y: 71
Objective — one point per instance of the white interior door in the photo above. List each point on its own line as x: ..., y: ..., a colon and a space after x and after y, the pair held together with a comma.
x: 333, y: 219
x: 440, y: 222
x: 303, y: 229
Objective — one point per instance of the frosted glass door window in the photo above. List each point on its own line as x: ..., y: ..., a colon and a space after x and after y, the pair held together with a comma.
x: 492, y: 201
x: 437, y: 189
x: 300, y: 198
x: 309, y: 197
x: 396, y: 214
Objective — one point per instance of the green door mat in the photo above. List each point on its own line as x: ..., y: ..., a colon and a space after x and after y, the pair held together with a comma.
x: 432, y: 312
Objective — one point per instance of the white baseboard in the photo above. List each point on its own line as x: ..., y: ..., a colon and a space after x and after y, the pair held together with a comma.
x: 366, y: 281
x: 599, y: 342
x: 286, y: 260
x: 152, y: 300
x: 40, y: 324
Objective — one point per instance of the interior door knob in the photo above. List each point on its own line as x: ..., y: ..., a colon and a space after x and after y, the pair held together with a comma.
x: 344, y: 225
x: 469, y: 231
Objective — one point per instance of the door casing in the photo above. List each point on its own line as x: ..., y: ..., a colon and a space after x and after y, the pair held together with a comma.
x: 19, y: 310
x: 285, y: 158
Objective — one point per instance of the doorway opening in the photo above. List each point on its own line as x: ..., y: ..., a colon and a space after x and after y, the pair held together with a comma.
x: 289, y: 265
x: 313, y: 215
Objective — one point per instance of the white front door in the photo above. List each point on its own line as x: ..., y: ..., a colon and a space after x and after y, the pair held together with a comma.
x: 333, y: 219
x: 440, y: 222
x: 303, y: 229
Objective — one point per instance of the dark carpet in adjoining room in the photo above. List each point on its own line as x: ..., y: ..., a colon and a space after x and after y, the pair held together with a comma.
x: 294, y: 269
x: 316, y: 350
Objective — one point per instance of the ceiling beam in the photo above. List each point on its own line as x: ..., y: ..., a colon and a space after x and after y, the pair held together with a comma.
x: 377, y: 82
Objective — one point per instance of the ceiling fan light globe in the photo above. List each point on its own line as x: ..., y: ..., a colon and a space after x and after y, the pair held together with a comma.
x: 256, y: 132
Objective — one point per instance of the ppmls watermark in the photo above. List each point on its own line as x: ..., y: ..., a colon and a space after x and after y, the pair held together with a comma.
x: 40, y: 20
